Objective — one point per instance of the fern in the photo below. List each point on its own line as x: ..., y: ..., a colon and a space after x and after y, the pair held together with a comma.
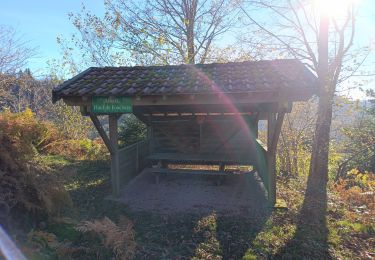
x: 119, y: 238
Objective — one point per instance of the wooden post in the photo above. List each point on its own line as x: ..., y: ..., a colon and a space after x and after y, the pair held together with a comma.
x: 256, y: 131
x: 137, y: 158
x: 115, y: 169
x: 150, y: 135
x: 256, y: 125
x: 271, y: 159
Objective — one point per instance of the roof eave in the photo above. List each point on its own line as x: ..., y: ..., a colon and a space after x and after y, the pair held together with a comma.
x: 56, y: 96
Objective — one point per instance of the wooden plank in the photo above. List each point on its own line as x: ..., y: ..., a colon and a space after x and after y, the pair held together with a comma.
x: 115, y: 169
x: 101, y: 132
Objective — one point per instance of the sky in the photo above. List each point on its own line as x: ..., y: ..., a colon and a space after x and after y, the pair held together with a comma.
x: 41, y: 21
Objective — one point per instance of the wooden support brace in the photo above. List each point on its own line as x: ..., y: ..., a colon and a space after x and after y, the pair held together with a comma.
x: 101, y: 132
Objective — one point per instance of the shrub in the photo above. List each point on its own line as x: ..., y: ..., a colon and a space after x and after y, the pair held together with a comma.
x: 79, y: 149
x: 21, y: 137
x: 27, y: 189
x: 131, y: 131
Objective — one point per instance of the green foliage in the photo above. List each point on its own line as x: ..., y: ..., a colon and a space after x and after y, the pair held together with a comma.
x: 294, y: 149
x: 79, y: 149
x: 22, y: 136
x: 70, y: 122
x: 131, y: 131
x: 359, y: 143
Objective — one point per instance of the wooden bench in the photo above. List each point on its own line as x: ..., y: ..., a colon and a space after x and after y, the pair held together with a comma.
x: 159, y: 171
x: 162, y: 159
x: 204, y: 158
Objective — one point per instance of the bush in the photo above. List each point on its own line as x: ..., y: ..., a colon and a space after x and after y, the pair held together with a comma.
x: 79, y: 149
x: 21, y: 138
x: 131, y: 131
x: 27, y: 190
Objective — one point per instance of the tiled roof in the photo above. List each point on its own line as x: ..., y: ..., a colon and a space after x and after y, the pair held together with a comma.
x: 233, y: 77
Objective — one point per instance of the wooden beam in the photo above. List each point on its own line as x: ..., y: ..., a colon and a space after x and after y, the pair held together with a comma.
x: 276, y: 132
x: 253, y: 97
x: 255, y: 124
x: 115, y: 169
x: 271, y: 159
x: 101, y: 132
x: 271, y: 123
x: 207, y: 108
x: 274, y: 129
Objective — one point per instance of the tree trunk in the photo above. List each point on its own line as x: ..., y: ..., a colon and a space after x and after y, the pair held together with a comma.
x: 319, y: 156
x: 190, y: 46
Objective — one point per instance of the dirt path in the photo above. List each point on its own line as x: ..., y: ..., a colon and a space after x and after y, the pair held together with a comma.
x: 240, y: 194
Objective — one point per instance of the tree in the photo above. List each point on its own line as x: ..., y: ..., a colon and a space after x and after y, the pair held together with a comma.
x: 14, y: 55
x: 359, y: 144
x: 296, y: 139
x: 329, y: 51
x: 131, y: 131
x: 151, y: 31
x: 296, y: 34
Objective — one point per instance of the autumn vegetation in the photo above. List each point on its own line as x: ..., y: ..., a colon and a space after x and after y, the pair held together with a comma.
x: 54, y: 170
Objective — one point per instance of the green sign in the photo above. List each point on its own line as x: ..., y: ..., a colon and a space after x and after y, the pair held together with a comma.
x: 104, y: 105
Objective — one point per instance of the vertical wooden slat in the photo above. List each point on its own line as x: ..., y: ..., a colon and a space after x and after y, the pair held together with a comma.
x: 115, y: 170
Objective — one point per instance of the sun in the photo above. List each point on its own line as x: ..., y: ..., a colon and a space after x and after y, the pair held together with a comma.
x: 334, y: 8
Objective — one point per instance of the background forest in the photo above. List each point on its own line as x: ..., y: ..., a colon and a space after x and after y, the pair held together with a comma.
x: 54, y: 171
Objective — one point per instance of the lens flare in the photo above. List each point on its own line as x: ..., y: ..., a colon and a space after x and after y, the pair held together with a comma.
x: 334, y: 8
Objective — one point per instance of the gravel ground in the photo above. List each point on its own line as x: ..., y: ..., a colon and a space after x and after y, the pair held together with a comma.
x: 238, y: 194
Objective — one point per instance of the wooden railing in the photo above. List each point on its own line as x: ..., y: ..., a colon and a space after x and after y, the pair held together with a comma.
x: 132, y: 160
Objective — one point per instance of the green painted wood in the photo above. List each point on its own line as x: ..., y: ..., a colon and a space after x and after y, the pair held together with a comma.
x: 110, y: 105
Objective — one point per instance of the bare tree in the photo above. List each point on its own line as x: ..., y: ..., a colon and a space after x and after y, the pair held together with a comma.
x: 14, y: 52
x: 14, y: 55
x: 152, y: 31
x: 294, y: 29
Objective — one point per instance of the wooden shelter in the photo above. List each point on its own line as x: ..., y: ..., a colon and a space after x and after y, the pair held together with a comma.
x: 197, y: 114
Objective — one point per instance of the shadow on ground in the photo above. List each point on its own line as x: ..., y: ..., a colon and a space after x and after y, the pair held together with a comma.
x: 200, y: 223
x: 193, y: 217
x: 310, y: 240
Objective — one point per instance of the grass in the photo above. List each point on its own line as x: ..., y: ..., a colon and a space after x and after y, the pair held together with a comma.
x: 209, y: 236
